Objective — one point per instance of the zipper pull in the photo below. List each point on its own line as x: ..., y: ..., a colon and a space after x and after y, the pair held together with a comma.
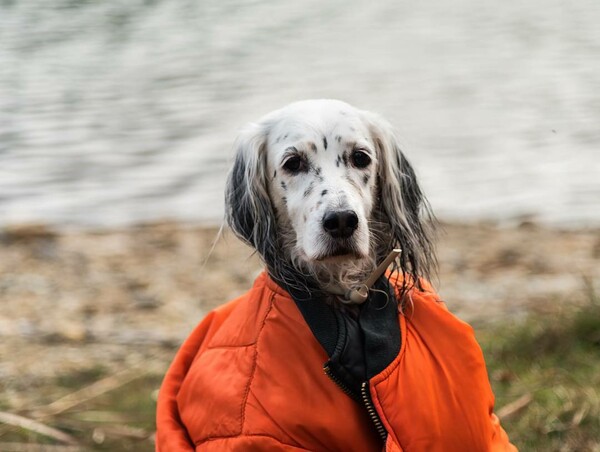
x: 361, y: 293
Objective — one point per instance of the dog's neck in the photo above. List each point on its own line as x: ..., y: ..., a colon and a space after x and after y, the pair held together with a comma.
x: 337, y: 276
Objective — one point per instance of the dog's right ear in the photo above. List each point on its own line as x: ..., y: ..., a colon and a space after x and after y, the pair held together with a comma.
x: 402, y: 205
x: 248, y: 208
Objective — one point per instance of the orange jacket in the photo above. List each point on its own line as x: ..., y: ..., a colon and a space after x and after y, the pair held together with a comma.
x: 250, y: 377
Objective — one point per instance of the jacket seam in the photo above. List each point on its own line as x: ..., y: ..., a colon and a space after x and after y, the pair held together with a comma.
x: 254, y: 362
x: 250, y: 435
x: 213, y: 347
x: 274, y: 287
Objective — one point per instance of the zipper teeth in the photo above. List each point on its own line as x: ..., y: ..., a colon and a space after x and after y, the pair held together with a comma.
x: 337, y: 381
x: 365, y: 398
x: 372, y: 412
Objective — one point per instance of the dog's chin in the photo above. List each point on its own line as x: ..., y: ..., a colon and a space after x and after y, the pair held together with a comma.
x: 339, y: 258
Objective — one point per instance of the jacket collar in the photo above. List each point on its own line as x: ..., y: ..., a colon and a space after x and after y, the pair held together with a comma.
x: 360, y: 341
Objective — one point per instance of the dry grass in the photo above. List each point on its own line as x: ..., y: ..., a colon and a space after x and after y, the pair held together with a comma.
x: 553, y: 359
x: 122, y: 420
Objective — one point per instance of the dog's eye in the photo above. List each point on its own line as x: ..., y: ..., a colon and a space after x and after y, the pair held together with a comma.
x: 295, y: 164
x: 360, y: 159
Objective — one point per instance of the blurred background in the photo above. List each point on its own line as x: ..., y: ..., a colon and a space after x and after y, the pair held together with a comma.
x: 116, y: 125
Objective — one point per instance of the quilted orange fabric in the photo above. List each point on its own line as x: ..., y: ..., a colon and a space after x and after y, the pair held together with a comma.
x: 250, y: 377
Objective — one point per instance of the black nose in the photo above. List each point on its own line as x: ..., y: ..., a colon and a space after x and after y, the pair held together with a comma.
x: 340, y: 225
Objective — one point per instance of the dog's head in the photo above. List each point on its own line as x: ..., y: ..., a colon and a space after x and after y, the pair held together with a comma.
x: 322, y: 189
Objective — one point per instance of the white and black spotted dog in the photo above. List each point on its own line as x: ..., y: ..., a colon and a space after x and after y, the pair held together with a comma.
x: 322, y: 191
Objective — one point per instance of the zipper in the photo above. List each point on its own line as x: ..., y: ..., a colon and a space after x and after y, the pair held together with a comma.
x: 366, y: 397
x: 340, y: 384
x: 366, y: 400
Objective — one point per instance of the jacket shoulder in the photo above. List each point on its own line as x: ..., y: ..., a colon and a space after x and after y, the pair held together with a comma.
x: 440, y: 346
x: 220, y: 345
x: 423, y: 292
x: 239, y: 320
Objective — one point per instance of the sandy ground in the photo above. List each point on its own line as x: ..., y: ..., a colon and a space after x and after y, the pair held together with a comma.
x: 75, y: 300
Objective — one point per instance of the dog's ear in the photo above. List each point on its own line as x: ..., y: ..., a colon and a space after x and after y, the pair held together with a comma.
x: 248, y: 208
x: 401, y: 204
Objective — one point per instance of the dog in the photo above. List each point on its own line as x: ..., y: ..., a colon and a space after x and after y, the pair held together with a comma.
x: 328, y: 351
x: 322, y: 189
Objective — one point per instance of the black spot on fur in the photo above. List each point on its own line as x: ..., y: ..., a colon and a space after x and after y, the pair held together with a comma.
x: 324, y: 192
x: 352, y: 182
x: 366, y: 178
x: 338, y: 139
x: 325, y: 143
x: 309, y: 190
x: 283, y: 185
x: 313, y: 147
x: 318, y: 171
x: 345, y: 158
x: 274, y: 174
x: 284, y: 200
x: 285, y: 136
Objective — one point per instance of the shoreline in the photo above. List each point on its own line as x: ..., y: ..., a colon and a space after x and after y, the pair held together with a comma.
x: 522, y: 221
x: 149, y: 285
x: 160, y: 277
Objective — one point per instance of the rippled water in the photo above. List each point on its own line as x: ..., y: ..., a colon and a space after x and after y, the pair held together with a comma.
x: 120, y: 111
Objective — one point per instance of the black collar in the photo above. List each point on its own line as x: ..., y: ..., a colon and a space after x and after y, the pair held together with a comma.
x: 360, y: 340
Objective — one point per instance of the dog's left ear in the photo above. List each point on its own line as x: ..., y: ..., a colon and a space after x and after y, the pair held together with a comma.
x: 401, y: 204
x: 248, y: 208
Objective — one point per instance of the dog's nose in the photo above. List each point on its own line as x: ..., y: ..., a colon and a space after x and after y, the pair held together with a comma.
x: 340, y: 225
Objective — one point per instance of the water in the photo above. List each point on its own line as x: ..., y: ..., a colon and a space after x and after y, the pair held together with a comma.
x: 123, y: 111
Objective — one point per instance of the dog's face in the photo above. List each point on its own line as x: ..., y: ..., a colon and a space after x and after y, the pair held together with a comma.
x: 322, y: 167
x: 321, y: 189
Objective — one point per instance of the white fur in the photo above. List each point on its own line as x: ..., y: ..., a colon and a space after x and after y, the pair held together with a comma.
x: 281, y: 213
x: 304, y: 126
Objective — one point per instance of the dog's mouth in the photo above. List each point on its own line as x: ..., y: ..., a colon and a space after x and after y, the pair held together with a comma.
x: 340, y: 252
